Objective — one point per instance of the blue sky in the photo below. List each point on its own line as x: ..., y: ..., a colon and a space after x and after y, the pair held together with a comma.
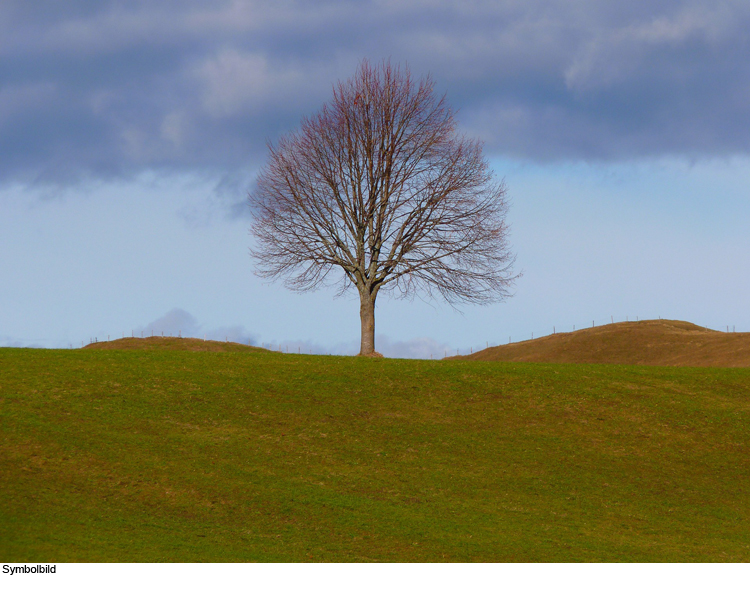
x: 130, y: 135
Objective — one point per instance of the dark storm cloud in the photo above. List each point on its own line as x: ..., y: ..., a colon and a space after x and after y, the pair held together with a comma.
x: 110, y: 88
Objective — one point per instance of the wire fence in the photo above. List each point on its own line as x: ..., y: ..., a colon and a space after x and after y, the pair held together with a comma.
x: 306, y: 348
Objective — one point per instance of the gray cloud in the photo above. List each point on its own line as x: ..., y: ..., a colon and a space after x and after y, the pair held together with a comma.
x: 8, y: 341
x: 178, y: 322
x: 110, y: 89
x: 418, y: 348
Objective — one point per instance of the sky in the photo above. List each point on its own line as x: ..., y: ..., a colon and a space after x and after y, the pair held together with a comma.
x: 131, y: 133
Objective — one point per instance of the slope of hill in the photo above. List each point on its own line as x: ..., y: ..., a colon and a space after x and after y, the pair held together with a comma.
x: 648, y: 342
x: 181, y: 456
x: 170, y: 344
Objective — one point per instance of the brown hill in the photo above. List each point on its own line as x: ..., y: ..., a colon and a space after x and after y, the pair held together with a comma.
x: 171, y: 344
x: 648, y: 342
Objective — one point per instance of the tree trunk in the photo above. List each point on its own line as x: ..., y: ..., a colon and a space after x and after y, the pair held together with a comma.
x: 367, y: 317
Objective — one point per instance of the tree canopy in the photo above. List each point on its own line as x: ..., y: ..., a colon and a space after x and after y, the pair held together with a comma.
x: 379, y: 192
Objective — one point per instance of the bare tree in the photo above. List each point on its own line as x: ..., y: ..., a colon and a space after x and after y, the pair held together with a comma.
x: 378, y: 191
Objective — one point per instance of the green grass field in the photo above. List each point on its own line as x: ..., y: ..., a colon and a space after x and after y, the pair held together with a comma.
x: 253, y: 456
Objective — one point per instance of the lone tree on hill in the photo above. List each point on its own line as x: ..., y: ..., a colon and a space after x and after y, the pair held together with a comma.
x: 378, y: 191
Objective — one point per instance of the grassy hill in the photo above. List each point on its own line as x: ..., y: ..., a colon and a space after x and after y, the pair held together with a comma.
x: 648, y: 342
x: 245, y: 455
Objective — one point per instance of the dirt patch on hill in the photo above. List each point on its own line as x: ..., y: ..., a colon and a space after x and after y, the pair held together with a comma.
x: 648, y: 342
x: 172, y: 344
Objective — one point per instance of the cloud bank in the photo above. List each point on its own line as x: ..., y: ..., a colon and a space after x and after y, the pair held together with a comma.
x: 178, y: 322
x: 417, y: 348
x: 109, y: 89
